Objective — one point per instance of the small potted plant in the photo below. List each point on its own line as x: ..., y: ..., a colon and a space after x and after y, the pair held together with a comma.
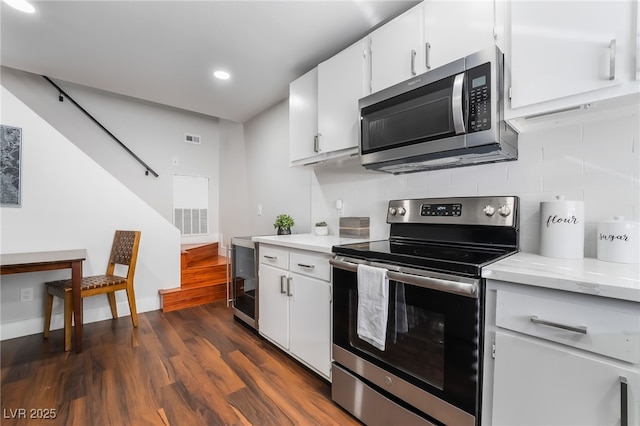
x: 321, y: 228
x: 283, y: 224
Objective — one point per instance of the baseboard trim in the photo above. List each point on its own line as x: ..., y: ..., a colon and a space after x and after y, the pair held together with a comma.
x: 26, y: 327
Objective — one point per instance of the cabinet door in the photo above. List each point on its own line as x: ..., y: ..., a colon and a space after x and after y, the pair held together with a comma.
x: 310, y: 322
x: 341, y: 82
x: 472, y: 32
x: 563, y: 48
x: 273, y: 305
x: 303, y: 116
x: 536, y: 383
x: 397, y: 50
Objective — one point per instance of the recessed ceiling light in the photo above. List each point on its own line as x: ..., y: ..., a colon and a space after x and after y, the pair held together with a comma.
x: 21, y: 5
x: 222, y: 75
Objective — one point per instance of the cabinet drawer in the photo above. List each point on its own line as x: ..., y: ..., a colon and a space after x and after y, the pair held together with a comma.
x: 274, y: 256
x: 598, y: 329
x: 311, y: 264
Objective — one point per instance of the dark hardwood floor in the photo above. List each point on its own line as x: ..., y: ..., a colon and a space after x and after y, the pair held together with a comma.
x: 196, y: 366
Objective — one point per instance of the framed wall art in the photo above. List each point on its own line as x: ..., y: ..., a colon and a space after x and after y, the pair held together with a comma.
x: 10, y: 166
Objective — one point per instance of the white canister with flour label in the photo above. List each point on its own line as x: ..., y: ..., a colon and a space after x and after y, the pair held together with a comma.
x: 562, y: 228
x: 619, y: 241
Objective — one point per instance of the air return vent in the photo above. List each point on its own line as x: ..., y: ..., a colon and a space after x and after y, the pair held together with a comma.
x: 194, y: 139
x: 191, y: 221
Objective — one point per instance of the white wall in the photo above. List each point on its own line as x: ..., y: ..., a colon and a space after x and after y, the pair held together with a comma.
x: 272, y: 183
x: 69, y: 202
x: 234, y: 189
x: 597, y: 162
x: 154, y: 132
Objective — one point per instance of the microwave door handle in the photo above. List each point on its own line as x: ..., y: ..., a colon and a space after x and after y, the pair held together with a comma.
x: 457, y: 104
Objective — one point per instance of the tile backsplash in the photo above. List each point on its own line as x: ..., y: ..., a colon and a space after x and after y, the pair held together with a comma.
x: 597, y: 162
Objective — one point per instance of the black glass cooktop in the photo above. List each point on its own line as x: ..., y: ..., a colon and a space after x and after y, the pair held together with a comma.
x: 461, y: 259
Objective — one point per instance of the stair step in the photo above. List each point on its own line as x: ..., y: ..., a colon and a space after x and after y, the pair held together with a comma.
x: 206, y: 262
x: 179, y: 298
x: 192, y: 254
x: 192, y: 277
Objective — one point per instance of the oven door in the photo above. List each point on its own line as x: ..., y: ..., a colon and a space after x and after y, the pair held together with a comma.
x: 433, y: 340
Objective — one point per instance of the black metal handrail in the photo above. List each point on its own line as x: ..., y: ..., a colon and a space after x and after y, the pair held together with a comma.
x: 138, y: 159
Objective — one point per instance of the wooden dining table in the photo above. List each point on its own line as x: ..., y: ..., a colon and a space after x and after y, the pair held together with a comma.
x: 15, y: 263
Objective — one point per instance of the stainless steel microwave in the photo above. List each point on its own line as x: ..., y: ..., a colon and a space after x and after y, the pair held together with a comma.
x: 451, y: 116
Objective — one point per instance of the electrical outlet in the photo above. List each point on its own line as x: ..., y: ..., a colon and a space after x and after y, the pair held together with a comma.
x: 26, y: 294
x: 259, y: 209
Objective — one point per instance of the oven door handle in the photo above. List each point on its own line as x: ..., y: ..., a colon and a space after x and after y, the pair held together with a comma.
x: 461, y: 289
x: 341, y: 264
x: 439, y: 284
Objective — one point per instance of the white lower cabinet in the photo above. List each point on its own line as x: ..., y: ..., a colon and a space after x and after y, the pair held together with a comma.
x: 295, y: 305
x: 309, y: 321
x: 560, y: 358
x: 274, y: 305
x: 537, y: 383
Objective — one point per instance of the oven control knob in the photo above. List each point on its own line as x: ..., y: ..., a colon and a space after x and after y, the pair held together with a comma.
x: 504, y: 211
x: 401, y: 211
x: 489, y: 210
x: 392, y: 211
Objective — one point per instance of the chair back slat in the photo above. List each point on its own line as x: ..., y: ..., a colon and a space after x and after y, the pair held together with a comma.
x: 122, y: 251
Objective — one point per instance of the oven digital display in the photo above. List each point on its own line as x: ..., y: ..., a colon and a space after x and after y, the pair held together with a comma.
x: 441, y: 210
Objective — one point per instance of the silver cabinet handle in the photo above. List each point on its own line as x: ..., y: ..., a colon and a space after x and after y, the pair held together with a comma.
x: 456, y: 104
x: 302, y: 265
x: 228, y: 274
x: 413, y: 62
x: 612, y: 59
x: 272, y: 258
x: 289, y: 289
x: 427, y: 50
x: 282, y: 281
x: 316, y: 142
x: 624, y: 409
x: 576, y: 329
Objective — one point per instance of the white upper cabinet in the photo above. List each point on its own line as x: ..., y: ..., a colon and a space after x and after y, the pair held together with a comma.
x: 397, y: 49
x: 303, y: 116
x: 323, y: 107
x: 454, y: 29
x: 563, y: 54
x: 342, y: 81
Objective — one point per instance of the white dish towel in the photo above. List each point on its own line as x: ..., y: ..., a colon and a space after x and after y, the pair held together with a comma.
x: 373, y: 305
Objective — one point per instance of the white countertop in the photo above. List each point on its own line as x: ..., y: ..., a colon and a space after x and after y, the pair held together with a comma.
x: 321, y: 244
x: 587, y: 276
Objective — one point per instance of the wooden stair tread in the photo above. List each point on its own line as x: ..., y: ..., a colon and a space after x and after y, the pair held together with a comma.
x: 191, y: 246
x: 195, y: 286
x: 180, y: 298
x: 208, y: 262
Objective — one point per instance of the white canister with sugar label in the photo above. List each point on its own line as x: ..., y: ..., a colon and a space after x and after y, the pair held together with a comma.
x: 619, y: 241
x: 562, y: 228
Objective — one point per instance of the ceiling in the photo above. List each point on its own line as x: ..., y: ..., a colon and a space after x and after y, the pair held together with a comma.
x: 166, y: 51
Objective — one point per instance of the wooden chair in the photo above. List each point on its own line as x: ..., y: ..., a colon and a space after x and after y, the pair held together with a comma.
x: 124, y: 251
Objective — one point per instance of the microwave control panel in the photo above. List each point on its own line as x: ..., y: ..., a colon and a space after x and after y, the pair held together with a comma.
x: 479, y: 81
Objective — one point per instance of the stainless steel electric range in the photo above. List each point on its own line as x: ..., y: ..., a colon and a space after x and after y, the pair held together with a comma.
x: 425, y: 365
